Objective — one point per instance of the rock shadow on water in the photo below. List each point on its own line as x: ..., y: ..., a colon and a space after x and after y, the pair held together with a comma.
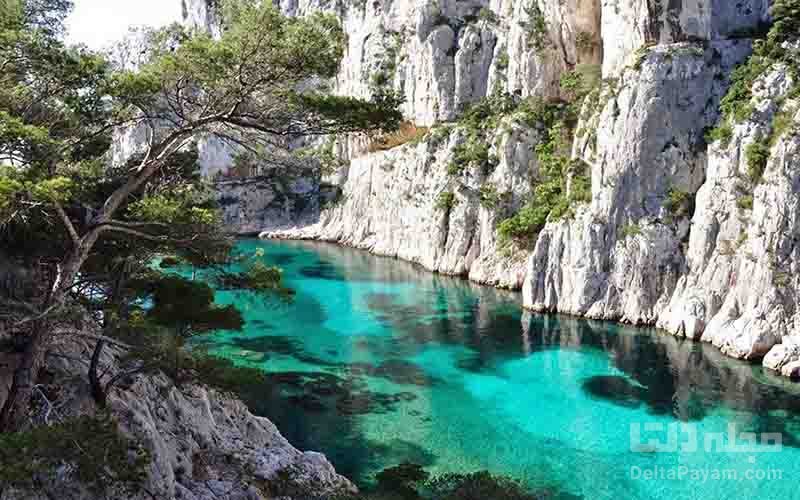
x: 307, y: 403
x: 381, y: 302
x: 320, y: 411
x: 472, y: 364
x: 620, y: 391
x: 615, y: 389
x: 320, y: 391
x: 767, y: 424
x: 371, y: 403
x: 281, y: 345
x: 361, y: 459
x: 281, y: 259
x: 398, y: 371
x: 323, y: 271
x: 260, y: 324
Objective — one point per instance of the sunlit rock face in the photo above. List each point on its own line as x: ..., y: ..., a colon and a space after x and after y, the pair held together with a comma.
x: 628, y: 25
x: 741, y: 288
x: 391, y: 205
x: 621, y: 257
x: 712, y: 270
x: 445, y: 54
x: 201, y: 14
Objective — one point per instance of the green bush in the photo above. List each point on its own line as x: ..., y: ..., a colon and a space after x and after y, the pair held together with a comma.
x: 474, y: 151
x: 402, y: 481
x: 722, y: 133
x: 786, y: 21
x: 485, y: 114
x: 679, y: 203
x: 489, y: 196
x: 585, y: 41
x: 630, y: 230
x: 102, y: 458
x: 475, y: 486
x: 551, y: 199
x: 756, y: 154
x: 581, y: 81
x: 455, y: 169
x: 488, y: 15
x: 571, y: 81
x: 502, y: 60
x: 736, y: 106
x: 535, y: 112
x: 437, y: 134
x: 445, y: 201
x: 581, y: 188
x: 535, y: 27
x: 745, y: 202
x: 411, y: 482
x: 782, y: 123
x: 640, y: 56
x: 525, y: 224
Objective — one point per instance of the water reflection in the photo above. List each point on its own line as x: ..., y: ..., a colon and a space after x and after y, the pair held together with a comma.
x: 378, y: 361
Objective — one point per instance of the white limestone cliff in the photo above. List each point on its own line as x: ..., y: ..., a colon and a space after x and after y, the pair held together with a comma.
x: 391, y: 205
x: 741, y: 290
x: 621, y: 257
x: 700, y: 267
x: 628, y: 25
x: 444, y: 54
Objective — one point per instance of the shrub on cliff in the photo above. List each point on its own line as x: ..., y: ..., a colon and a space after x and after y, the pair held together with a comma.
x: 90, y: 448
x: 736, y: 106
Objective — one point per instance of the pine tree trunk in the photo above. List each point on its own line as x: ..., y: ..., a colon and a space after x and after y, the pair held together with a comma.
x: 15, y: 408
x: 98, y: 392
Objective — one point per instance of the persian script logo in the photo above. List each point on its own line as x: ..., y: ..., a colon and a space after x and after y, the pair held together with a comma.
x: 684, y: 437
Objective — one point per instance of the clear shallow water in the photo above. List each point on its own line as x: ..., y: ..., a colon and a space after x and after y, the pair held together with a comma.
x: 377, y: 362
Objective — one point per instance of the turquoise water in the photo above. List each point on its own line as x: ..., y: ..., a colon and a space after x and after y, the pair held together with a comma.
x: 377, y: 362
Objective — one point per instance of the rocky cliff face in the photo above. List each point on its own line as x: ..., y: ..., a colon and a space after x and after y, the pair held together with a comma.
x: 740, y: 291
x: 202, y: 444
x: 621, y: 256
x: 404, y: 203
x: 677, y: 231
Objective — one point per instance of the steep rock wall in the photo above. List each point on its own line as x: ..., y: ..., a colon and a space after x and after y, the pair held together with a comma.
x: 628, y: 25
x: 621, y: 257
x: 665, y: 239
x: 741, y: 289
x: 445, y: 54
x: 396, y: 203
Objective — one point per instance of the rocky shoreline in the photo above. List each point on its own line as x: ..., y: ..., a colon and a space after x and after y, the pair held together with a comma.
x: 201, y: 443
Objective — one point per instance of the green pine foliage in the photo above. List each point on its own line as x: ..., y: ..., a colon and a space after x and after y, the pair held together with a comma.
x: 535, y: 26
x: 94, y: 232
x: 679, y: 203
x: 100, y: 457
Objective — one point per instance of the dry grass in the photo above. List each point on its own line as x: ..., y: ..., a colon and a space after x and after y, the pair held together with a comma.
x: 407, y: 133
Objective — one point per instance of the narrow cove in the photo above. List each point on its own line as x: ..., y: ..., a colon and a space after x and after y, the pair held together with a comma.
x: 377, y: 362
